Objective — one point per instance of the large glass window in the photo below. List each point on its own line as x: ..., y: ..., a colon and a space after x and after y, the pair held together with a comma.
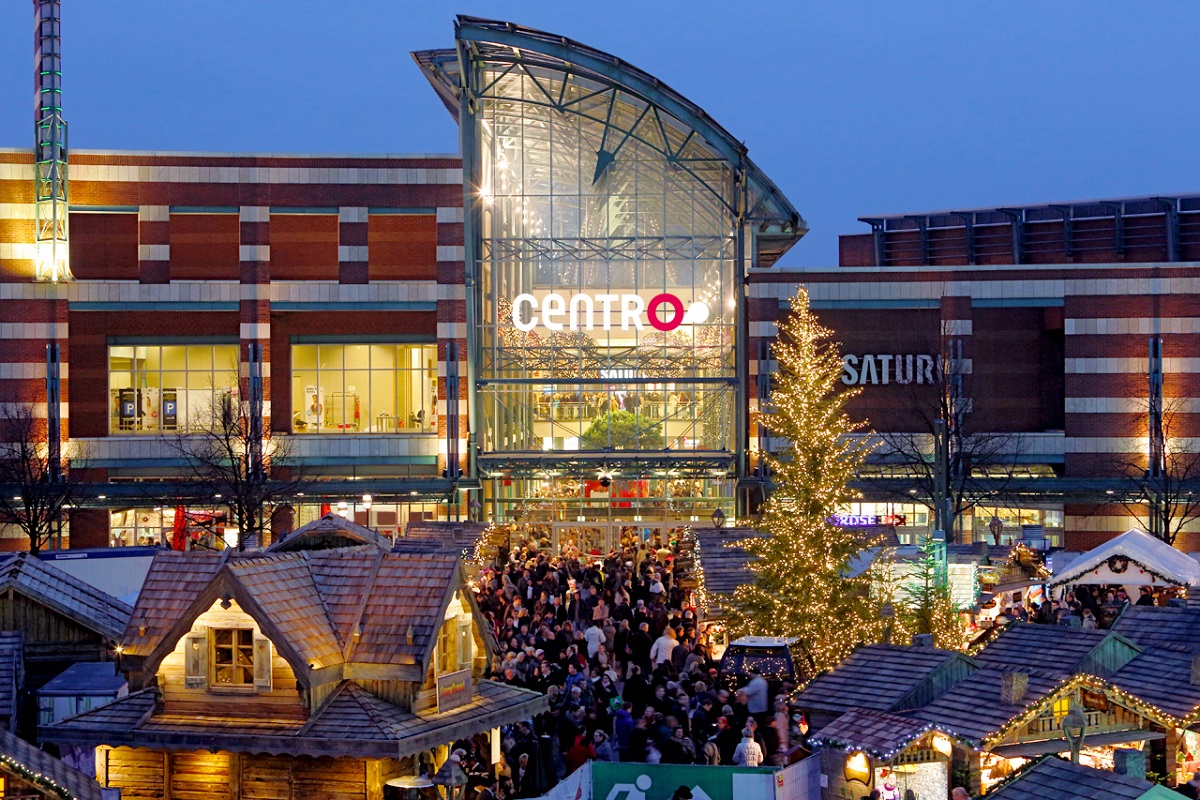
x: 364, y: 388
x: 167, y: 388
x: 609, y: 250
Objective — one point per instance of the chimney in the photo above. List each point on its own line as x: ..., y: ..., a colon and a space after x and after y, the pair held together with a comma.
x: 1131, y: 762
x: 1012, y: 687
x: 1195, y: 676
x: 922, y: 640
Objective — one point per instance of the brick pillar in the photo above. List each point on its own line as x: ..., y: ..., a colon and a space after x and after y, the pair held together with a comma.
x: 451, y: 322
x: 154, y: 248
x: 352, y: 245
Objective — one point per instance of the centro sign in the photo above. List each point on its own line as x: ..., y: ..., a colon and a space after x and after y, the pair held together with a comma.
x: 664, y: 312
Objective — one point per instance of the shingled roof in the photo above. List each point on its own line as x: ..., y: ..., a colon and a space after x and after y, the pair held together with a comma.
x: 331, y: 530
x: 73, y: 598
x: 1058, y: 648
x: 332, y: 606
x: 1053, y: 777
x: 874, y: 732
x: 12, y: 669
x: 723, y: 564
x: 461, y: 536
x: 352, y: 721
x: 52, y: 771
x: 1151, y: 626
x: 973, y: 708
x: 1162, y: 676
x: 881, y: 677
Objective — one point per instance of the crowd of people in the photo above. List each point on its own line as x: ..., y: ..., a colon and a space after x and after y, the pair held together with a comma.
x: 1096, y: 607
x: 615, y: 643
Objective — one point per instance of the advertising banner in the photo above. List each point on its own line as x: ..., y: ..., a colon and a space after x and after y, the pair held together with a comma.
x: 659, y: 781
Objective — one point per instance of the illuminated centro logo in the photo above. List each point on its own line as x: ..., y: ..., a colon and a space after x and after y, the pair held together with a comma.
x: 665, y: 312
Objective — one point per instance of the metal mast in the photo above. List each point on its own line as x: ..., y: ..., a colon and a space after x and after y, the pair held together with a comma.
x: 52, y: 262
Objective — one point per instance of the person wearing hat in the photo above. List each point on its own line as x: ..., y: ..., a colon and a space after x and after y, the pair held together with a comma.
x: 682, y: 793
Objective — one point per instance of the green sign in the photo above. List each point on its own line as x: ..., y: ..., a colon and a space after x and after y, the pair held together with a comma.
x: 659, y: 781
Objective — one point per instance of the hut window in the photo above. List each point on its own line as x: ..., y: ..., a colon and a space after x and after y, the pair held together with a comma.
x: 232, y: 657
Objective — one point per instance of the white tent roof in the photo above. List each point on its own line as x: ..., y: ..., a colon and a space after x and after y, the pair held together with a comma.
x: 1152, y: 555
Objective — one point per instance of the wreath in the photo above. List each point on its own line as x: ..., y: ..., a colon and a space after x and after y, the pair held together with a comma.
x: 1118, y: 564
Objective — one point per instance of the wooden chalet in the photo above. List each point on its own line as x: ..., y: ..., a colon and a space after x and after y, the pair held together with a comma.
x: 295, y: 675
x: 63, y: 619
x: 882, y: 677
x: 327, y: 532
x: 897, y: 710
x: 1054, y: 777
x: 29, y: 773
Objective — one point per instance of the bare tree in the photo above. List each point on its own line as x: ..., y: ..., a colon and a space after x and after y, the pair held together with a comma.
x: 1163, y: 483
x: 236, y: 461
x: 944, y: 460
x: 37, y: 484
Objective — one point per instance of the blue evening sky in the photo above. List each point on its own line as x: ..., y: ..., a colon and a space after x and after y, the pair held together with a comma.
x: 852, y: 108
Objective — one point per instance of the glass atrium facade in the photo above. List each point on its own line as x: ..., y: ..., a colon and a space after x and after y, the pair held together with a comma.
x: 609, y: 225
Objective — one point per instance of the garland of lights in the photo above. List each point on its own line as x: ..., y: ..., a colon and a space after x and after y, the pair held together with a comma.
x: 1081, y: 681
x: 901, y: 744
x: 801, y: 565
x: 36, y: 778
x: 1090, y: 682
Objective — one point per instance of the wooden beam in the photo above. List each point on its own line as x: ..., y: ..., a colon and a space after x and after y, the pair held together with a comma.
x: 235, y: 776
x: 374, y: 779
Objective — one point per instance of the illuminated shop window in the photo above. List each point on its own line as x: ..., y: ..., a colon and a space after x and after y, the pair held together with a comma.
x: 364, y: 388
x: 158, y: 389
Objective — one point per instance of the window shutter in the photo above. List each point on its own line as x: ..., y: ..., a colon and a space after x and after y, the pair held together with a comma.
x: 262, y: 664
x: 195, y: 658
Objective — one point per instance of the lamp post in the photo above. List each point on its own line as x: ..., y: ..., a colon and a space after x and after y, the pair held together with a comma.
x: 1074, y: 724
x: 997, y: 528
x: 718, y: 518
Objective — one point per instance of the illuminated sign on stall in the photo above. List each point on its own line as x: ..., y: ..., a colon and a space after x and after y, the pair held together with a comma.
x: 866, y: 520
x: 665, y: 312
x: 884, y: 369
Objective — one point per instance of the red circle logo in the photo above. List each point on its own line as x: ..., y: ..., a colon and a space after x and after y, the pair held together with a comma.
x: 652, y: 312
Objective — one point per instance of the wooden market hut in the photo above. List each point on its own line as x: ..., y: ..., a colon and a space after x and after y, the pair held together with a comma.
x: 882, y: 677
x: 327, y: 532
x: 1133, y: 559
x: 29, y: 773
x: 63, y: 619
x: 295, y: 675
x: 863, y: 748
x: 1054, y: 777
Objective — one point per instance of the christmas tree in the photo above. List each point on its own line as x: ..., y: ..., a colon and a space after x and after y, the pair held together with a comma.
x: 813, y: 579
x: 926, y: 602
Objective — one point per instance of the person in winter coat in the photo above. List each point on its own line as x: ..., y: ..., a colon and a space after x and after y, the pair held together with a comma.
x: 604, y: 751
x: 747, y: 753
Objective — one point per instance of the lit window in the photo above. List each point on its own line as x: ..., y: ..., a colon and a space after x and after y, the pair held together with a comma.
x: 364, y: 388
x: 233, y: 656
x: 167, y: 388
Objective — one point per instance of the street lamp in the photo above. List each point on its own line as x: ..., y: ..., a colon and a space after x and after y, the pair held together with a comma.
x: 1074, y: 724
x: 718, y: 518
x: 997, y: 528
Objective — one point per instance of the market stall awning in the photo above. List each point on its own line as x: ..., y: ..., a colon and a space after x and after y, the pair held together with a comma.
x: 1134, y: 557
x: 1031, y: 749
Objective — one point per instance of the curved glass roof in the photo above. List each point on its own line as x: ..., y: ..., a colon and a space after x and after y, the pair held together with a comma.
x: 682, y: 131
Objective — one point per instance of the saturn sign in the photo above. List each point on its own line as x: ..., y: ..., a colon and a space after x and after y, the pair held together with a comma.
x: 665, y: 312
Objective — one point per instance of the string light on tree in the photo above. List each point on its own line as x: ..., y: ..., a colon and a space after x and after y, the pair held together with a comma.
x: 805, y: 581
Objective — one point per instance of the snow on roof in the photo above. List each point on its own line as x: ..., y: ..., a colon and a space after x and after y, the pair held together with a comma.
x: 1153, y: 555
